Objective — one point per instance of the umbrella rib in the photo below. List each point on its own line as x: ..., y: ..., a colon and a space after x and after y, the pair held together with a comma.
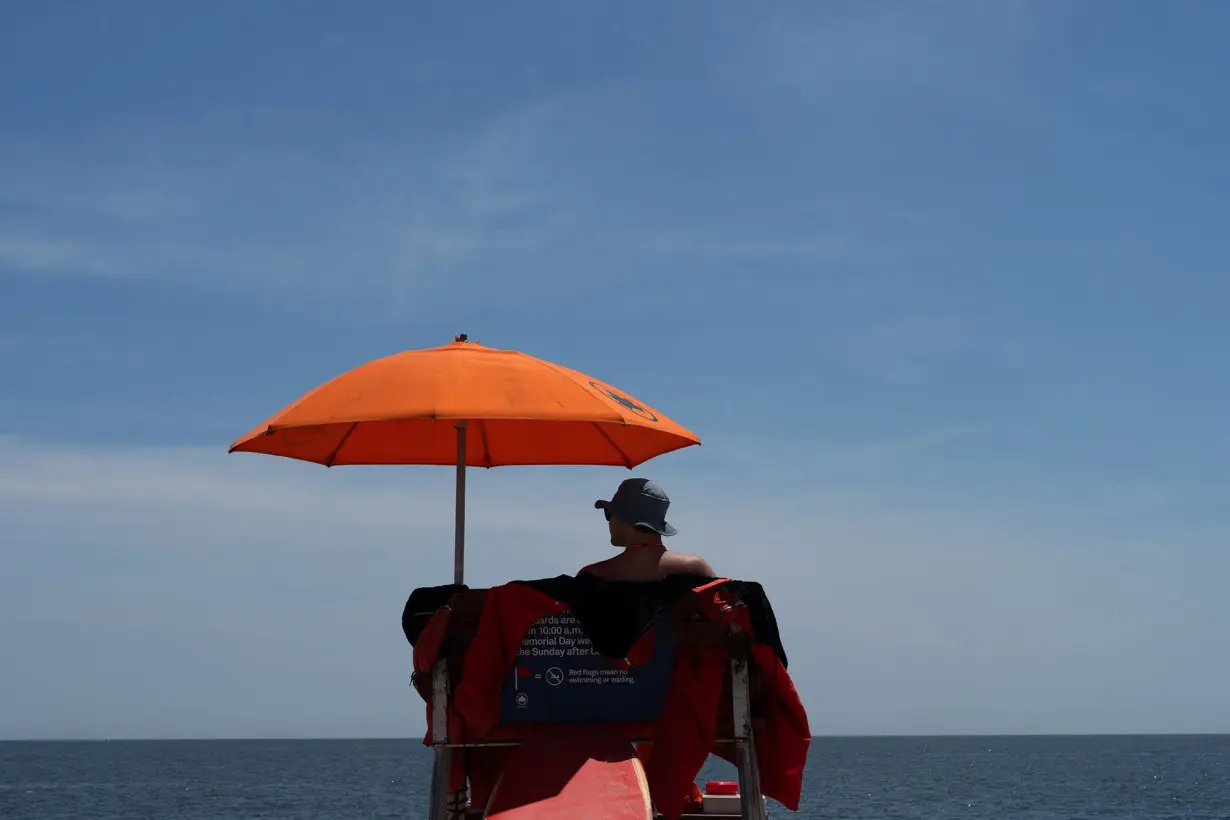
x: 333, y: 456
x: 611, y: 441
x: 482, y: 437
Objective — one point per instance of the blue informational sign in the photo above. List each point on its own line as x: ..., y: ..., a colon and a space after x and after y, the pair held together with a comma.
x: 558, y: 678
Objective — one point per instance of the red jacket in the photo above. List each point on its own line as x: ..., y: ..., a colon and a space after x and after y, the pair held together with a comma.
x: 686, y: 731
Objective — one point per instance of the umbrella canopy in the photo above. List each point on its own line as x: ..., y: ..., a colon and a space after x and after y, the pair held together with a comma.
x: 470, y: 406
x: 520, y: 410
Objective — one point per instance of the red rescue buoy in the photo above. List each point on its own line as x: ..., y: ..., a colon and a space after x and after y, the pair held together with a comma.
x: 721, y: 787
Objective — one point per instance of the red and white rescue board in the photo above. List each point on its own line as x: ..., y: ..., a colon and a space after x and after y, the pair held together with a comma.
x: 570, y: 774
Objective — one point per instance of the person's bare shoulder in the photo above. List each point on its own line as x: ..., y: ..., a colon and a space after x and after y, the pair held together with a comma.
x: 681, y: 564
x: 598, y: 569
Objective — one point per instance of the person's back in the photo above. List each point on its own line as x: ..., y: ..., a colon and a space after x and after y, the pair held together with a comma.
x: 636, y: 519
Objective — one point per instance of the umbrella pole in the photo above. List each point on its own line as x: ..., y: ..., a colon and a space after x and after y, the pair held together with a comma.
x: 459, y: 537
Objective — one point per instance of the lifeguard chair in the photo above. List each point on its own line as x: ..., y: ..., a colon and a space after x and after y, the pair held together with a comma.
x: 574, y: 718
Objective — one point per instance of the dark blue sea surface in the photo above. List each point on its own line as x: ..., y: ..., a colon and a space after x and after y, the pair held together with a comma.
x: 1040, y: 778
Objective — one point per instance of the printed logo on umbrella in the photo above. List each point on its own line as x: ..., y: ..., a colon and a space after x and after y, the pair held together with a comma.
x: 624, y: 402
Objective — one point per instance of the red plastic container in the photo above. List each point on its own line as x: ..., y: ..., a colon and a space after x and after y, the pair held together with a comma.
x: 721, y: 787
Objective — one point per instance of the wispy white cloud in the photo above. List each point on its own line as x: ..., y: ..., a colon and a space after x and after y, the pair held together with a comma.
x: 262, y: 199
x: 232, y: 581
x: 42, y: 254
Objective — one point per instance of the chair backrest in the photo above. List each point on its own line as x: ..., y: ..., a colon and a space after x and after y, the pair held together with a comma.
x: 559, y: 678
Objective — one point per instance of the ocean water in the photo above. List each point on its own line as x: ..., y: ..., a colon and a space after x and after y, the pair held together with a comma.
x: 1040, y: 778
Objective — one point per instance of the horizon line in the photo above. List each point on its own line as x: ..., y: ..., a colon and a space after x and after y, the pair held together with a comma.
x: 417, y: 739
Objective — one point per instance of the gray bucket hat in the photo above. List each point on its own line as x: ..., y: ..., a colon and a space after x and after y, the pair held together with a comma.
x: 639, y: 502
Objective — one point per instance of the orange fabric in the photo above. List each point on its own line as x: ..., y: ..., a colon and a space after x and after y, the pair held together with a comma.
x: 688, y: 728
x: 508, y: 613
x: 783, y: 741
x: 521, y: 410
x: 568, y: 773
x: 427, y: 648
x: 693, y: 801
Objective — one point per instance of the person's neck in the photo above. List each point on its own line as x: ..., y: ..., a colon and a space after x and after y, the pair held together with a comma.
x: 642, y: 545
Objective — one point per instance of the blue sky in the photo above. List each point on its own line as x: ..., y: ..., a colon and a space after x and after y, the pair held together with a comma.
x: 940, y: 285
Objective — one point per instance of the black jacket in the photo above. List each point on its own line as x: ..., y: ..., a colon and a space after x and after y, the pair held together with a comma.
x: 614, y: 614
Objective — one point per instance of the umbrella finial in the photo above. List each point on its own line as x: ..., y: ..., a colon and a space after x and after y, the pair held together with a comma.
x: 462, y: 337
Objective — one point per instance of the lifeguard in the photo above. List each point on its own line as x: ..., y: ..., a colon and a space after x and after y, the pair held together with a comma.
x: 636, y: 519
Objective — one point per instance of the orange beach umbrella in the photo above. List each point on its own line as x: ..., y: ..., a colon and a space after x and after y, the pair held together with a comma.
x: 470, y: 406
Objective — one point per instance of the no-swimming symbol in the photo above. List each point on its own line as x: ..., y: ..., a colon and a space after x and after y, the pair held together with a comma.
x: 624, y: 402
